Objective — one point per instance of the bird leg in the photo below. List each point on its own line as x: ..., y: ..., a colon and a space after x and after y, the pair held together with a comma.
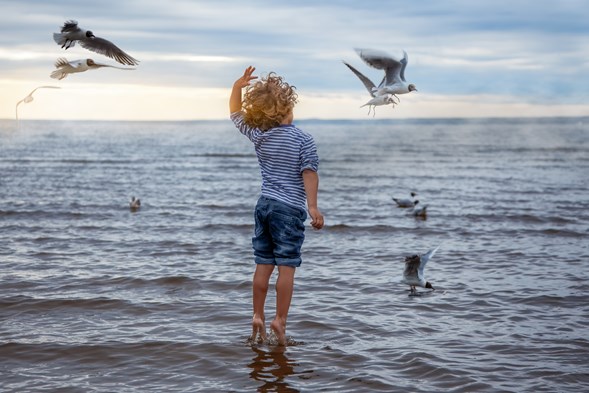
x: 67, y: 44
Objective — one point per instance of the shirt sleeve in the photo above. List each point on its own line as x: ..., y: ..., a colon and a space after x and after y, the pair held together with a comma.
x: 309, y: 157
x: 251, y: 133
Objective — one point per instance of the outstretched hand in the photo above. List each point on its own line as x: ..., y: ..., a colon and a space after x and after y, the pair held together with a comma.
x: 244, y: 80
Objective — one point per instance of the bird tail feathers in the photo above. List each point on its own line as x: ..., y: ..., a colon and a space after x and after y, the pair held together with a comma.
x: 61, y: 40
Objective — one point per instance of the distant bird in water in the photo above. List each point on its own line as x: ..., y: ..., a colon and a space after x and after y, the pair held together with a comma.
x: 406, y: 202
x: 29, y: 98
x: 70, y: 33
x: 135, y: 204
x: 420, y: 211
x: 64, y: 67
x: 413, y: 274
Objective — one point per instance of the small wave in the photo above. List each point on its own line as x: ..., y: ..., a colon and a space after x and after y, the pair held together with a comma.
x: 26, y: 303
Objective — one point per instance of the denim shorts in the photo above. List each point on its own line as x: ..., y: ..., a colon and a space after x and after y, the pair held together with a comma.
x: 279, y: 233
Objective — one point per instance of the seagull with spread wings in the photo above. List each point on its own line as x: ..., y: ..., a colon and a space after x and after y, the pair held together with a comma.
x: 377, y: 100
x: 394, y: 80
x: 29, y: 98
x: 70, y: 33
x: 64, y: 67
x: 414, y: 266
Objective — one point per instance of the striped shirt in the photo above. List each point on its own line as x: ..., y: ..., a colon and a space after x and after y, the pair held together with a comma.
x: 283, y: 152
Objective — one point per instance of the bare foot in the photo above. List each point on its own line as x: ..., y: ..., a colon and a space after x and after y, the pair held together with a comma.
x: 279, y: 330
x: 258, y: 330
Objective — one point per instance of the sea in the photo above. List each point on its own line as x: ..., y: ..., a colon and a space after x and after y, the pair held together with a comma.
x: 95, y: 297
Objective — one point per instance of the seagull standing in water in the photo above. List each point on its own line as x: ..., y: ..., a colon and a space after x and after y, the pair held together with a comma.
x: 29, y: 98
x: 413, y: 274
x: 376, y: 100
x: 420, y: 211
x: 70, y: 33
x: 135, y: 204
x: 394, y: 80
x: 64, y: 67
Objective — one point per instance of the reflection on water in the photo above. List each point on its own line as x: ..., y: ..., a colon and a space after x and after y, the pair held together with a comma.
x: 272, y: 367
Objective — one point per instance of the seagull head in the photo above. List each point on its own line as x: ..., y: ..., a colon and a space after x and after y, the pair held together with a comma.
x: 90, y: 34
x: 429, y: 285
x: 412, y: 87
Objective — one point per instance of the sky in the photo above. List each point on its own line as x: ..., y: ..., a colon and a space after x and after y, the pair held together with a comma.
x: 486, y: 58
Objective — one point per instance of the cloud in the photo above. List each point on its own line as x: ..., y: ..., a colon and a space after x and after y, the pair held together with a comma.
x: 456, y: 48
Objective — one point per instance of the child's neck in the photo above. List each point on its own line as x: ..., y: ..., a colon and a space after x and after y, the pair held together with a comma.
x: 287, y: 119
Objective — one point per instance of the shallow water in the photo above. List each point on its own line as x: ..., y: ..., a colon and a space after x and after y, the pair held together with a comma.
x: 95, y: 298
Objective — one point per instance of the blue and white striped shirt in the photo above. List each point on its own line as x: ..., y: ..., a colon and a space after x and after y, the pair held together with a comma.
x: 283, y: 152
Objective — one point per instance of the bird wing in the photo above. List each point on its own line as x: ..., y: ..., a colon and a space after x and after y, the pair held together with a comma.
x: 63, y: 68
x: 70, y: 26
x: 367, y: 82
x: 107, y: 48
x: 99, y: 65
x: 61, y: 62
x: 403, y: 62
x: 382, y: 61
x: 46, y: 87
x: 411, y: 266
x: 426, y: 257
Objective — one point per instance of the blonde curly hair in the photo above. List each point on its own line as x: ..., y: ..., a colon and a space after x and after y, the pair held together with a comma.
x: 267, y: 102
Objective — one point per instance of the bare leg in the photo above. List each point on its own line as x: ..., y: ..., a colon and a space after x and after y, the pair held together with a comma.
x: 284, y: 290
x: 259, y: 291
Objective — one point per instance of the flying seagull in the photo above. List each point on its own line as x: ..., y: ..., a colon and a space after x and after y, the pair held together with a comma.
x: 394, y: 80
x: 413, y: 274
x: 376, y: 100
x: 64, y: 67
x: 29, y: 98
x: 70, y: 33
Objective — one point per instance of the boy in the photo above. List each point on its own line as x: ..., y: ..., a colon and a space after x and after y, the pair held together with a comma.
x: 288, y: 162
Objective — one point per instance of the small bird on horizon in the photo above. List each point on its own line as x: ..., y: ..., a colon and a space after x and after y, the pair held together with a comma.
x: 64, y: 67
x: 70, y: 33
x: 135, y: 204
x: 394, y: 80
x: 29, y: 98
x: 413, y: 275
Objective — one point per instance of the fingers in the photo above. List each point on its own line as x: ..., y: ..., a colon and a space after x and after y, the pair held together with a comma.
x: 249, y: 71
x: 247, y: 75
x: 317, y: 222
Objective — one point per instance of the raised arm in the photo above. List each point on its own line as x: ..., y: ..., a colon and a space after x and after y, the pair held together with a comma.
x: 311, y: 182
x: 243, y: 81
